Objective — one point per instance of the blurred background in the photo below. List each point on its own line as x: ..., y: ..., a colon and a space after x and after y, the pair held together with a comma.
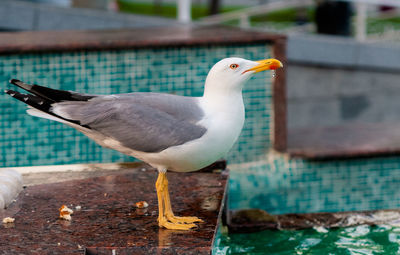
x: 324, y: 37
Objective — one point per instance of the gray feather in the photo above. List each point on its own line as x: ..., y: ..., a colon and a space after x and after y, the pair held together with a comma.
x: 147, y: 122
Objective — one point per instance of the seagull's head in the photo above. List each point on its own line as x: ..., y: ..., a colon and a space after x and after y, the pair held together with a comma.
x: 232, y: 73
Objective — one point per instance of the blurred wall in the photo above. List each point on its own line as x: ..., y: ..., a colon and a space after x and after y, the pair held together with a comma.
x: 333, y: 81
x: 19, y: 15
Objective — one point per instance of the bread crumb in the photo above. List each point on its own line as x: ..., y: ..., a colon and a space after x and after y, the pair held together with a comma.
x: 8, y: 220
x: 65, y: 213
x: 141, y: 204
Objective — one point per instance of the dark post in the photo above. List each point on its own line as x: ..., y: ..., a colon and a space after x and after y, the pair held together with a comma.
x: 279, y: 134
x: 214, y: 7
x: 333, y: 17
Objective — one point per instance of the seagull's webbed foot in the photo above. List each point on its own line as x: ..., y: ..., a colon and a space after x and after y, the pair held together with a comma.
x: 188, y: 219
x: 166, y: 217
x: 163, y: 222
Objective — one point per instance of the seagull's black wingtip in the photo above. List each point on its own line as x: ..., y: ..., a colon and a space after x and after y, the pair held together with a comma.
x: 10, y: 92
x: 13, y: 81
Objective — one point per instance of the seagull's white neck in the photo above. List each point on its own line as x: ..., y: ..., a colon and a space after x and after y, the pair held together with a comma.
x: 220, y: 95
x: 224, y: 106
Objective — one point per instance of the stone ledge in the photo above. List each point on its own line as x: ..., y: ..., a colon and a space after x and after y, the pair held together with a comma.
x: 107, y: 220
x: 119, y: 39
x: 254, y: 220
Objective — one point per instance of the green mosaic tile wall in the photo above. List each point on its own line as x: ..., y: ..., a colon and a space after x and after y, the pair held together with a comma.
x: 282, y: 185
x: 26, y: 140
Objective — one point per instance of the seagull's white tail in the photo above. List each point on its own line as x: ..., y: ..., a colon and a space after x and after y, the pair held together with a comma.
x: 40, y: 114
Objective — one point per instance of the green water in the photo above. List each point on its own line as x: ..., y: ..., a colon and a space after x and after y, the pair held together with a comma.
x: 363, y: 239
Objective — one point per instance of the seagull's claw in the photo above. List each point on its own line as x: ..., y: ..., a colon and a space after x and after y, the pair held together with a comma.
x: 175, y: 226
x: 177, y: 219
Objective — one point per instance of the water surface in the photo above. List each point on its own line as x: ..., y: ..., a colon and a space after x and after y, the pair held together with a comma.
x: 366, y: 240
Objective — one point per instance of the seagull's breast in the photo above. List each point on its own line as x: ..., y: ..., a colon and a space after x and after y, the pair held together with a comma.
x: 223, y: 122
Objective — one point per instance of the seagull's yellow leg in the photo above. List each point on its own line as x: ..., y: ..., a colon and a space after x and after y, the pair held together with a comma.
x: 162, y: 219
x: 160, y: 199
x: 168, y: 209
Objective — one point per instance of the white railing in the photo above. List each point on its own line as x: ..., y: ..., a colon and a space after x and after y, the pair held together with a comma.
x: 394, y: 3
x: 362, y: 14
x: 184, y: 11
x: 243, y: 15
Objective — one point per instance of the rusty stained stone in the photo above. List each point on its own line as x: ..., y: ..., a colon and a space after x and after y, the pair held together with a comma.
x: 111, y: 222
x: 118, y: 39
x: 279, y: 131
x: 254, y: 220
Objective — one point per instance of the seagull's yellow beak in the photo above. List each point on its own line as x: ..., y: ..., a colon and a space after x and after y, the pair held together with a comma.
x: 266, y: 64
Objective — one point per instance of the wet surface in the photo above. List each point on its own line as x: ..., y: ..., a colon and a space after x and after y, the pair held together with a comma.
x: 107, y: 219
x: 253, y: 220
x: 366, y: 240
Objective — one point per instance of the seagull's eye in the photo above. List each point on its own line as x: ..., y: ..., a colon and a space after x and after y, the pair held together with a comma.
x: 233, y: 66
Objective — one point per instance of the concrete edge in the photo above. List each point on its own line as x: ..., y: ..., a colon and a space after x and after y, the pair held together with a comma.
x: 342, y: 52
x: 71, y: 167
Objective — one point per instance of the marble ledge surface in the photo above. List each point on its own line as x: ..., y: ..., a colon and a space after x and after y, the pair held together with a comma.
x: 112, y: 39
x: 105, y: 218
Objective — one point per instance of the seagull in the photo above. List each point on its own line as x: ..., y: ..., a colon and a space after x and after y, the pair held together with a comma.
x: 169, y: 132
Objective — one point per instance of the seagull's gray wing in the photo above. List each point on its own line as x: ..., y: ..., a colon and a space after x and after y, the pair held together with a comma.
x: 147, y: 122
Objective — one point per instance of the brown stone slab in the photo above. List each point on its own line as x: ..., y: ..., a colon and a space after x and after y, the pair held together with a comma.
x: 108, y: 220
x: 254, y: 220
x: 38, y: 41
x: 345, y: 141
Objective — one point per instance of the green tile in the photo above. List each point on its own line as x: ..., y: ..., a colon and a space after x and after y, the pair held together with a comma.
x: 27, y: 141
